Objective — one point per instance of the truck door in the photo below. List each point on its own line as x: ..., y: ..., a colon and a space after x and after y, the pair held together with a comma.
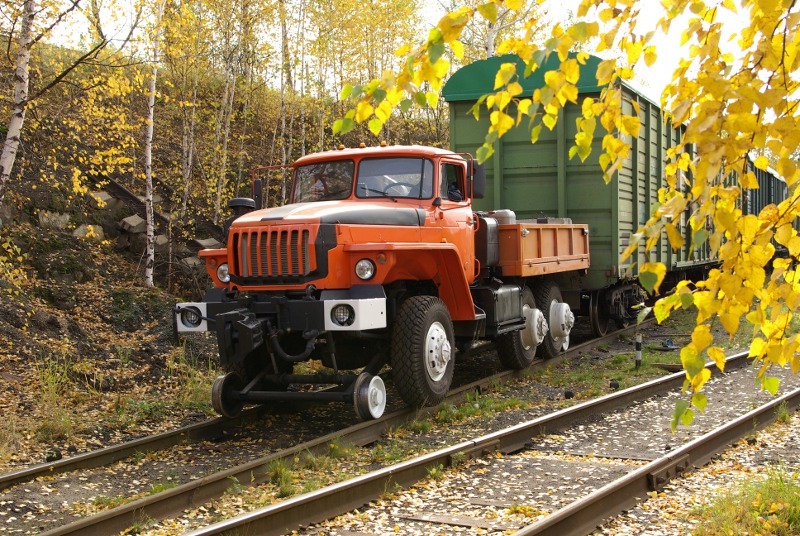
x: 454, y: 214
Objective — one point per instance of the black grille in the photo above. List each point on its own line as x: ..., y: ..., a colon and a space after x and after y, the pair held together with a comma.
x: 272, y: 253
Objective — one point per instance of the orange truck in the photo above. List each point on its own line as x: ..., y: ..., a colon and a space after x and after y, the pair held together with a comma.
x: 380, y: 260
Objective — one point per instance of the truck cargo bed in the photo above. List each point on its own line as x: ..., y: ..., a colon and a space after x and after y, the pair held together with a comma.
x: 529, y: 248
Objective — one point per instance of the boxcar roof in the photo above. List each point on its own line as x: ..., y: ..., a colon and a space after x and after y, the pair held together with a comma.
x: 477, y: 79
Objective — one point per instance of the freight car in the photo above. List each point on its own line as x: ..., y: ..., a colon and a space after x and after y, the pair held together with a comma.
x: 541, y: 181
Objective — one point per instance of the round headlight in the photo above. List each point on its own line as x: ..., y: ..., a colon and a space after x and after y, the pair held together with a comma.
x: 343, y: 315
x: 365, y: 269
x: 223, y: 274
x: 191, y: 317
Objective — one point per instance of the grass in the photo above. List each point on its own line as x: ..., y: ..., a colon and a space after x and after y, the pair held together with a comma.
x: 478, y: 406
x: 769, y: 506
x: 54, y: 385
x: 283, y: 477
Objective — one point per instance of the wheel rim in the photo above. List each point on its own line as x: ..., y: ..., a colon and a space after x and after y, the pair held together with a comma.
x: 561, y: 322
x: 437, y: 351
x: 527, y: 338
x: 376, y: 397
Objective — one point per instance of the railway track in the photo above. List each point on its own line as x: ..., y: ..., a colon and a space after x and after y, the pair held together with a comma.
x: 429, y: 508
x: 172, y: 501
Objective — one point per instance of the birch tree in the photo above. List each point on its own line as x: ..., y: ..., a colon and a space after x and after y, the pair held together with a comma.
x: 150, y: 254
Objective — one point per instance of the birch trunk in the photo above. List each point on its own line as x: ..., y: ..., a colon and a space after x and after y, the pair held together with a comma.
x: 21, y: 77
x: 150, y: 253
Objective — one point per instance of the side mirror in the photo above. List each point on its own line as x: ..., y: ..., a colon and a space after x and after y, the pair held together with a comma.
x: 257, y: 192
x: 478, y: 180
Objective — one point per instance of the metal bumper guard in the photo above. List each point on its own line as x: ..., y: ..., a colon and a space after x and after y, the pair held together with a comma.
x: 243, y: 325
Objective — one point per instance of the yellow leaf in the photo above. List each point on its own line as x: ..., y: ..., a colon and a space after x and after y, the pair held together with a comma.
x: 717, y: 355
x: 675, y: 239
x: 762, y: 162
x: 363, y: 111
x: 701, y: 337
x: 458, y: 49
x: 700, y: 379
x: 504, y: 74
x: 501, y: 122
x: 650, y: 55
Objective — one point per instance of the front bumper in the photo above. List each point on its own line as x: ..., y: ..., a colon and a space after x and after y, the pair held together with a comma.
x: 366, y: 304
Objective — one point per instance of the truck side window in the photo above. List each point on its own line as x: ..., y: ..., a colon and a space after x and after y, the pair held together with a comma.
x: 452, y: 185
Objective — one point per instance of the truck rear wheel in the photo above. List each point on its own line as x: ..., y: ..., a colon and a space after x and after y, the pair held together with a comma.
x: 423, y: 350
x: 516, y: 350
x: 548, y: 296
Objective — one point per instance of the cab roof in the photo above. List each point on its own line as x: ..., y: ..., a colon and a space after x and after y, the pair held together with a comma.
x: 361, y: 152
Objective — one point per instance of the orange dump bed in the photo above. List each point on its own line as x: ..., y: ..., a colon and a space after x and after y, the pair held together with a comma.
x: 529, y: 248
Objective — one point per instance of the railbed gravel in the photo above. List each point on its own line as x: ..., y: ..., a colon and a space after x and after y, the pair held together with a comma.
x: 500, y: 494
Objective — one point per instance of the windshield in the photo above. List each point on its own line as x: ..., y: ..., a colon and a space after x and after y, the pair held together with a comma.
x: 324, y: 181
x: 395, y: 177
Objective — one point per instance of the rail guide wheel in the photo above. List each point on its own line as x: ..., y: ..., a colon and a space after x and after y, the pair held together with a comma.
x: 369, y: 396
x: 224, y: 395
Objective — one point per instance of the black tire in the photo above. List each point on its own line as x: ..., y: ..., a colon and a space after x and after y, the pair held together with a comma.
x: 421, y: 328
x: 598, y: 314
x: 545, y: 294
x: 511, y: 348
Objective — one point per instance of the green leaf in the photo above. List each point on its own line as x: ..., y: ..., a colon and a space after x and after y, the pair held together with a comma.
x: 771, y: 385
x: 347, y: 125
x: 420, y: 98
x: 484, y: 152
x: 405, y: 104
x: 648, y: 280
x: 687, y: 417
x: 572, y: 152
x: 346, y: 90
x: 379, y: 95
x: 680, y: 409
x: 356, y: 92
x: 435, y: 52
x: 375, y: 125
x: 337, y: 126
x: 699, y: 401
x: 642, y: 315
x: 535, y: 131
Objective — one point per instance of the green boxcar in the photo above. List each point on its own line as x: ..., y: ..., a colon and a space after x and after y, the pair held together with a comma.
x: 540, y: 180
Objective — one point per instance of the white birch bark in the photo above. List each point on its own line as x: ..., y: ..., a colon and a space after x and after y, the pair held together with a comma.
x: 150, y: 255
x: 11, y: 144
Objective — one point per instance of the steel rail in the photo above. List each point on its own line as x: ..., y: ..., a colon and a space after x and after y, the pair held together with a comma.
x: 173, y: 501
x: 96, y: 458
x: 584, y: 515
x: 316, y: 506
x: 201, y: 431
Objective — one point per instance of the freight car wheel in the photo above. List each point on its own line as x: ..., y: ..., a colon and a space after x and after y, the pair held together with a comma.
x: 517, y: 349
x: 222, y: 397
x: 558, y: 316
x: 369, y: 396
x: 598, y: 314
x: 423, y: 350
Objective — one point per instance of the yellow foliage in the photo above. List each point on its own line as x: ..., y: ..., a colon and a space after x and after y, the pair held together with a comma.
x: 734, y: 91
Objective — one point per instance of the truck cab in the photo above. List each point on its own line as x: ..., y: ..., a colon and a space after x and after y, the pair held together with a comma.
x: 378, y: 259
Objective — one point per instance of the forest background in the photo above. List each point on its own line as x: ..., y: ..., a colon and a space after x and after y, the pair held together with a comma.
x: 184, y: 98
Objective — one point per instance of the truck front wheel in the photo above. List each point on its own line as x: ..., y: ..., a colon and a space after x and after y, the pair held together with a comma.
x: 517, y: 349
x: 423, y: 351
